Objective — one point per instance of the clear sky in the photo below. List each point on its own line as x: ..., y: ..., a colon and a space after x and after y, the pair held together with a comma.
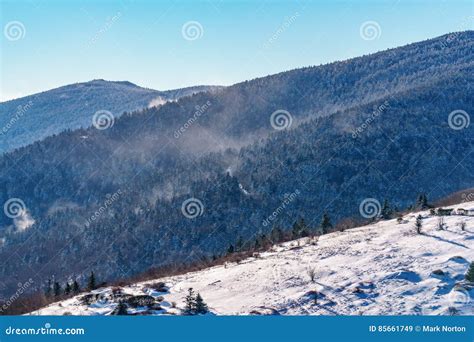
x: 46, y: 44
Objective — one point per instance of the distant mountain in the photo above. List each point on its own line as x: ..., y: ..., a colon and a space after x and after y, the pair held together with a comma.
x: 114, y: 200
x: 34, y: 117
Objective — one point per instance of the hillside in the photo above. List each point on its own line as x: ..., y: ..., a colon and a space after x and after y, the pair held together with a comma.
x: 370, y: 127
x: 34, y: 117
x: 380, y: 269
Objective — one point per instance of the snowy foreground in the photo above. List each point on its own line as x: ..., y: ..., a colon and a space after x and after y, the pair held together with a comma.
x: 379, y: 269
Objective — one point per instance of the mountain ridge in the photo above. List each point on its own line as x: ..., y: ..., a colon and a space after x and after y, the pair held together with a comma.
x: 34, y: 117
x: 238, y: 166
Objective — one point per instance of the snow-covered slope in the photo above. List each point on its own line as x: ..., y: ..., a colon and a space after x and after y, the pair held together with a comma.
x: 380, y: 269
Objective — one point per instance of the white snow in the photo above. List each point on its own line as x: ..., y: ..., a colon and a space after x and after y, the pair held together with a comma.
x: 380, y: 269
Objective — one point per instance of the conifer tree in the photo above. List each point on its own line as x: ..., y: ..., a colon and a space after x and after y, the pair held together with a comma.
x: 276, y: 235
x: 295, y: 230
x: 239, y: 244
x: 75, y: 287
x: 67, y: 288
x: 386, y: 211
x: 325, y: 223
x: 190, y: 303
x: 230, y: 250
x: 470, y: 273
x: 56, y: 289
x: 201, y: 307
x: 300, y: 229
x: 257, y: 244
x: 121, y: 309
x: 91, y: 285
x: 48, y: 288
x: 422, y: 201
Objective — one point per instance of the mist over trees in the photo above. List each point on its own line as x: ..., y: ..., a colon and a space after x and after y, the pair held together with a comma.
x: 111, y: 200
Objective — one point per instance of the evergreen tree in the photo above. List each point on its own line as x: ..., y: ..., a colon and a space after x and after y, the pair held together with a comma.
x: 230, y: 250
x: 91, y: 285
x: 295, y: 230
x: 56, y: 289
x: 386, y: 212
x: 419, y: 224
x: 67, y: 288
x: 304, y: 228
x: 325, y: 223
x: 48, y: 288
x: 257, y: 244
x: 239, y: 244
x: 121, y: 309
x: 470, y: 273
x: 75, y: 287
x: 201, y: 307
x: 300, y: 229
x: 422, y: 201
x: 190, y: 303
x: 276, y: 234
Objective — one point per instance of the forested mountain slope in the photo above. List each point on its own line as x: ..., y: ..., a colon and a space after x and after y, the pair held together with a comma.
x: 373, y: 127
x: 34, y: 117
x: 384, y: 268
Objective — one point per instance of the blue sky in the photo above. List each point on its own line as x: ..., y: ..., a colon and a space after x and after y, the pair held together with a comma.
x: 63, y: 42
